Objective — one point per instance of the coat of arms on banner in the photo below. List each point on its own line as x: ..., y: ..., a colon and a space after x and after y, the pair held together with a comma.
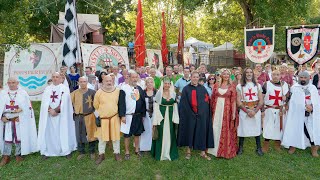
x: 33, y: 67
x: 98, y: 56
x: 302, y: 44
x: 259, y: 44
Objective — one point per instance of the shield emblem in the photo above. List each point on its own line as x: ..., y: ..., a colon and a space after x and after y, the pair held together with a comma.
x: 295, y: 42
x: 307, y: 42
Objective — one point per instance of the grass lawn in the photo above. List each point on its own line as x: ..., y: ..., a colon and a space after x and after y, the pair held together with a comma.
x: 247, y: 166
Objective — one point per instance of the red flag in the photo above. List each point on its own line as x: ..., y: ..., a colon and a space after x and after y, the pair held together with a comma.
x: 180, y: 41
x: 139, y: 45
x: 164, y: 49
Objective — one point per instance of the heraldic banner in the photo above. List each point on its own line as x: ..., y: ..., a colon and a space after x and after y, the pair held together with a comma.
x: 302, y: 44
x: 154, y: 57
x: 99, y: 56
x: 259, y: 44
x: 33, y: 67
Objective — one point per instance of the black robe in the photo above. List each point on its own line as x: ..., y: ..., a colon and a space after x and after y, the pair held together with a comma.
x: 195, y: 126
x: 137, y: 127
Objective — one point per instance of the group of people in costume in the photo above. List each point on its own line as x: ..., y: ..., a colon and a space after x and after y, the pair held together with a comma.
x: 188, y: 107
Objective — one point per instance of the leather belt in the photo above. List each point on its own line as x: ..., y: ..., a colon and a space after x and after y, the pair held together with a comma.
x: 109, y: 118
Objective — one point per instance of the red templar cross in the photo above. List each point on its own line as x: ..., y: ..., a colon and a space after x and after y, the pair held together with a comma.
x: 54, y: 96
x: 12, y: 106
x: 206, y: 98
x: 276, y: 98
x: 250, y: 94
x: 308, y: 97
x: 259, y: 47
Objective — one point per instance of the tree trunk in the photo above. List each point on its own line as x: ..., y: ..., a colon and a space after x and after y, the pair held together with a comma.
x: 246, y: 7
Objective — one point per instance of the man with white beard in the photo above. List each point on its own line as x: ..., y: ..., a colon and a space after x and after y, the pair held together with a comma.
x: 57, y: 135
x: 17, y: 124
x: 303, y: 120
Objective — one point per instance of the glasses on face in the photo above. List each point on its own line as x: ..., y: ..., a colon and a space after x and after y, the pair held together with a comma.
x: 211, y: 79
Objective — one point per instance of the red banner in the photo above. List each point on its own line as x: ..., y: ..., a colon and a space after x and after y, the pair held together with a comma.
x: 139, y: 45
x: 164, y: 49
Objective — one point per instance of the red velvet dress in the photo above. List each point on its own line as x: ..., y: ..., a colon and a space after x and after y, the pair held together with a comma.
x: 227, y: 144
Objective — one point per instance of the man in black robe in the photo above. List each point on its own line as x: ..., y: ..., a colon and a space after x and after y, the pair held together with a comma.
x: 195, y: 127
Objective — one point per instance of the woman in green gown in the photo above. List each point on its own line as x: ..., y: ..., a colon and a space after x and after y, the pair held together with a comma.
x: 165, y: 115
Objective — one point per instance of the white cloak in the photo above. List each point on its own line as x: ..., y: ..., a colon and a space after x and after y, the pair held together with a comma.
x: 60, y: 129
x: 294, y: 131
x: 27, y: 125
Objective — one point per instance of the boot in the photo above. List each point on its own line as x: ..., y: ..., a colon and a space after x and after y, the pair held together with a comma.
x: 314, y: 151
x: 19, y: 159
x: 265, y: 147
x: 80, y: 156
x: 100, y: 159
x: 117, y: 157
x: 5, y: 160
x: 240, y: 150
x: 277, y: 146
x: 291, y: 150
x: 259, y: 151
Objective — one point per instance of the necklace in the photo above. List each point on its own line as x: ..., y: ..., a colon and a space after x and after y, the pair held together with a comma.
x: 12, y: 96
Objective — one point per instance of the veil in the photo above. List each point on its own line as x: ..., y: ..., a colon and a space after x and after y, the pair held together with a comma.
x: 159, y: 94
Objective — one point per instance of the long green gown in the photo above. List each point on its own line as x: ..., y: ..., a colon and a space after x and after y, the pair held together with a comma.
x: 156, y: 148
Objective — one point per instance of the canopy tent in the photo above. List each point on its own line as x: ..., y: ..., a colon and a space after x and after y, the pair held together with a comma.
x: 194, y: 42
x: 223, y: 47
x: 87, y: 23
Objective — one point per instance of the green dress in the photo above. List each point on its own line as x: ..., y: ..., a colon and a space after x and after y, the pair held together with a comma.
x: 156, y: 149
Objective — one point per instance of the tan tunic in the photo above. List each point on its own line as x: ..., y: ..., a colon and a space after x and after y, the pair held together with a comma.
x: 107, y: 106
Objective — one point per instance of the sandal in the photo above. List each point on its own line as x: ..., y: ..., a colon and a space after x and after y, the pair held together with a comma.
x: 188, y: 156
x: 205, y: 156
x: 138, y: 154
x: 126, y: 156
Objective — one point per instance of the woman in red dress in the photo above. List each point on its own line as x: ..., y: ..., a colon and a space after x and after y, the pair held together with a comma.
x: 224, y: 117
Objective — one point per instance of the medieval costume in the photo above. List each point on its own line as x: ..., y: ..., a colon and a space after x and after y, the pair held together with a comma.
x: 57, y: 135
x: 302, y: 127
x: 262, y: 78
x: 110, y: 106
x: 249, y: 127
x: 274, y: 107
x: 195, y: 125
x: 165, y: 116
x: 146, y: 136
x: 84, y: 119
x: 20, y: 130
x: 224, y: 127
x: 135, y: 111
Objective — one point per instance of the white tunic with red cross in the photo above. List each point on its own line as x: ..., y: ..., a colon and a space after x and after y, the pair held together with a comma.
x: 249, y: 127
x: 271, y: 123
x: 12, y: 128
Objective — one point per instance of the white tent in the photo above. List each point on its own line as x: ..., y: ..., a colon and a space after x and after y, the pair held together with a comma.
x: 194, y: 42
x: 223, y: 47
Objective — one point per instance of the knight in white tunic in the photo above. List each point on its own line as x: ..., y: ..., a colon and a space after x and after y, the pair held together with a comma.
x: 132, y: 125
x: 57, y: 135
x: 275, y: 95
x: 17, y: 125
x: 302, y: 128
x: 250, y: 101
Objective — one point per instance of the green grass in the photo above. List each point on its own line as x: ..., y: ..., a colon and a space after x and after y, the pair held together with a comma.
x: 273, y: 165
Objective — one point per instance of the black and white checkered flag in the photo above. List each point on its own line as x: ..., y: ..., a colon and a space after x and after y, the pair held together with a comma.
x: 71, y: 44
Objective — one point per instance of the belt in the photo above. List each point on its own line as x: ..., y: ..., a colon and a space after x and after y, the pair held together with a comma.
x: 16, y: 119
x: 80, y: 114
x: 251, y: 105
x: 132, y: 114
x: 109, y: 118
x: 272, y: 107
